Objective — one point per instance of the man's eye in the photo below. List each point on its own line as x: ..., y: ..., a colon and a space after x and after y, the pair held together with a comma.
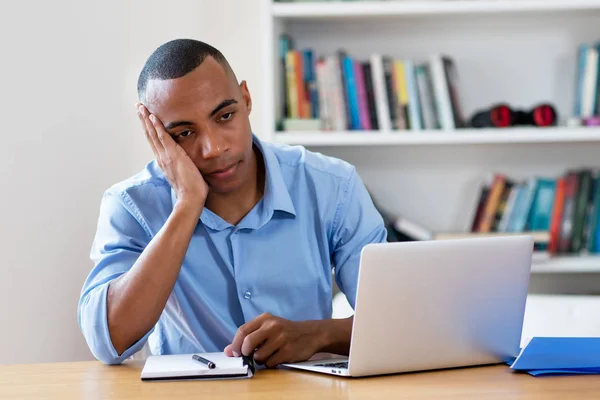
x: 226, y: 117
x: 184, y: 134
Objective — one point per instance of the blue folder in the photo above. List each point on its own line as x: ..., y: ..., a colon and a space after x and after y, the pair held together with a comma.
x: 559, y: 356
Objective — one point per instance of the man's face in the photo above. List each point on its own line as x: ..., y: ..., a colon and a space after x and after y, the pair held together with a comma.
x: 206, y: 112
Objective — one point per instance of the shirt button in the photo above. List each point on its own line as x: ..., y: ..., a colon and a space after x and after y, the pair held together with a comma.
x: 247, y: 295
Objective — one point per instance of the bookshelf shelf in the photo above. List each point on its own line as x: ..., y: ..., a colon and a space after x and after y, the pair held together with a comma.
x: 459, y: 137
x: 567, y: 265
x: 336, y: 9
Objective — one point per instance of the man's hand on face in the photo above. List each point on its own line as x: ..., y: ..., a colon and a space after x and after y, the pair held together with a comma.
x: 179, y: 169
x: 275, y: 340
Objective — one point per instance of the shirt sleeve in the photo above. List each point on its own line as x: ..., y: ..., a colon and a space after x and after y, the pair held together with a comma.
x: 119, y: 241
x: 356, y: 224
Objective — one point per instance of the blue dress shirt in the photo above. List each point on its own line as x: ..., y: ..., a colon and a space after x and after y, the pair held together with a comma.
x: 315, y: 213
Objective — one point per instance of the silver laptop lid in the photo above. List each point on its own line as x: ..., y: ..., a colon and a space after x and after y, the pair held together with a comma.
x: 439, y: 304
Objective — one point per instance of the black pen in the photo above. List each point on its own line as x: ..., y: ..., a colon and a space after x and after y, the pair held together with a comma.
x: 204, y: 361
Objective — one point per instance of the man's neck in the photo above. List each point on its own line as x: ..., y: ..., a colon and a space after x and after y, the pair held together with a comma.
x: 233, y: 207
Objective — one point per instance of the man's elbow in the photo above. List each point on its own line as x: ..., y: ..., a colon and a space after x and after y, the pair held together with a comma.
x: 101, y: 348
x: 99, y: 342
x: 109, y: 360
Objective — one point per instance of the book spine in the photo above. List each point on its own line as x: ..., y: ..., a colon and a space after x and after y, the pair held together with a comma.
x: 593, y: 234
x: 566, y: 230
x: 508, y: 208
x: 484, y: 192
x: 441, y: 94
x: 324, y: 95
x: 303, y: 106
x: 352, y: 95
x: 368, y: 76
x: 312, y: 95
x: 381, y: 94
x: 345, y: 95
x: 452, y: 82
x: 414, y: 107
x: 337, y: 89
x: 388, y: 68
x: 493, y: 200
x: 401, y: 95
x: 519, y: 223
x: 425, y: 98
x: 285, y: 45
x: 292, y: 90
x: 363, y: 105
x: 541, y: 211
x: 590, y: 83
x: 581, y: 61
x: 589, y: 213
x: 500, y: 210
x: 581, y: 202
x: 557, y: 212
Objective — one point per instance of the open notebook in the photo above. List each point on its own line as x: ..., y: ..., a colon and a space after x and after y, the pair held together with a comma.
x: 182, y: 366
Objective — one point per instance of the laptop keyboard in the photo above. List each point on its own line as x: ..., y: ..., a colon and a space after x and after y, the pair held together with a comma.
x: 343, y: 365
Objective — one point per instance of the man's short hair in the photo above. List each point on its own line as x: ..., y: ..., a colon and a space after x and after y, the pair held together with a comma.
x: 175, y: 59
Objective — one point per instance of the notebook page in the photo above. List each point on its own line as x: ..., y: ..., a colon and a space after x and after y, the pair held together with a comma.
x: 182, y: 365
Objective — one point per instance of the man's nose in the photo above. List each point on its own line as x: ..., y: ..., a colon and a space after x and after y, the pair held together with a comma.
x: 213, y: 145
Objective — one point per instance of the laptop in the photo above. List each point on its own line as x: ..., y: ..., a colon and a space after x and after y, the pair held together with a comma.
x: 434, y: 305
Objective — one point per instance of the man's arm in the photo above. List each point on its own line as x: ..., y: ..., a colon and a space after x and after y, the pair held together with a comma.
x: 137, y: 298
x: 274, y: 340
x: 127, y: 292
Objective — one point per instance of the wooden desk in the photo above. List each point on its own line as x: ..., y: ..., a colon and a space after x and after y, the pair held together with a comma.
x: 92, y: 380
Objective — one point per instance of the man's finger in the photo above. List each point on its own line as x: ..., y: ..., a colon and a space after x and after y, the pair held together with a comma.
x: 146, y: 133
x: 267, y: 348
x: 165, y: 138
x: 151, y: 131
x: 279, y: 357
x: 257, y: 338
x: 243, y: 331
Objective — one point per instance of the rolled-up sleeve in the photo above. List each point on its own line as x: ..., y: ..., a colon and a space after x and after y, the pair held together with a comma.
x: 356, y: 224
x: 120, y: 239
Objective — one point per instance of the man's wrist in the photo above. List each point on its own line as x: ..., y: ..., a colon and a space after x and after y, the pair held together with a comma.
x: 192, y: 209
x: 333, y: 335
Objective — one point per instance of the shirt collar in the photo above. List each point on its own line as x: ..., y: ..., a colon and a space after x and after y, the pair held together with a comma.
x: 276, y: 196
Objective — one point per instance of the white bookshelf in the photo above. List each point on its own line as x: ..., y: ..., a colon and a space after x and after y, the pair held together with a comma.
x: 436, y: 137
x: 566, y: 264
x: 336, y: 9
x: 522, y: 52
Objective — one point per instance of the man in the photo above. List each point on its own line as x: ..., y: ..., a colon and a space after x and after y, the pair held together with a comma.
x: 223, y: 243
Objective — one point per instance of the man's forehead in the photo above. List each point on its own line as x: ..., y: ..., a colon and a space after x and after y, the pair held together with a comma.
x: 206, y: 85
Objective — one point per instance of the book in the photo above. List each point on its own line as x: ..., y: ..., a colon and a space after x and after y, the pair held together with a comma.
x: 381, y: 96
x: 566, y: 206
x: 442, y: 93
x: 492, y: 203
x: 183, y: 366
x: 581, y: 209
x: 381, y: 92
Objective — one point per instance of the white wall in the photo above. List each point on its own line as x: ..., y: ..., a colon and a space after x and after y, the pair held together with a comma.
x: 68, y: 77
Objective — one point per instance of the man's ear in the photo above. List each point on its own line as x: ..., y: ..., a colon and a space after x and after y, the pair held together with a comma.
x: 246, y: 96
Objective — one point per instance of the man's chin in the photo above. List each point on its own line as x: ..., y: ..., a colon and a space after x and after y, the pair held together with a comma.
x: 223, y: 187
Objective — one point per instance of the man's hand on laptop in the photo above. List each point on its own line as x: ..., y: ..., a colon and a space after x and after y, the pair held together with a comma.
x: 275, y: 340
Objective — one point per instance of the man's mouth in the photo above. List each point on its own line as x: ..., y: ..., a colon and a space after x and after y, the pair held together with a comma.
x: 224, y: 173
